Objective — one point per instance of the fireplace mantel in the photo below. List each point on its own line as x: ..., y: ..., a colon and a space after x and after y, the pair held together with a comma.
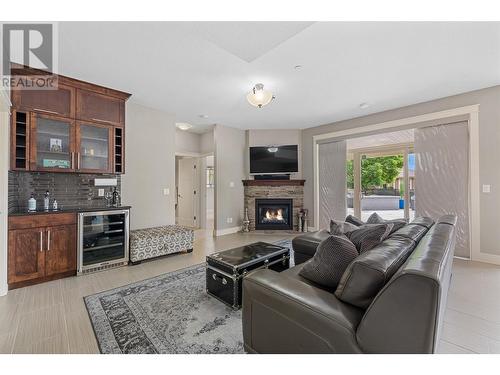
x: 273, y: 182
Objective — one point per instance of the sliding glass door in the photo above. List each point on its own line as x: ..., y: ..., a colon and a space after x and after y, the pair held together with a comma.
x: 381, y: 182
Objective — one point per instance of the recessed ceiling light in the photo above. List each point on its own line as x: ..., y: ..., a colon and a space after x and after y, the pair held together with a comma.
x: 183, y: 125
x: 364, y: 105
x: 203, y: 116
x: 298, y: 67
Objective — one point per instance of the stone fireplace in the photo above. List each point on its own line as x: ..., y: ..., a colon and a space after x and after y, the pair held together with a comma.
x: 274, y: 204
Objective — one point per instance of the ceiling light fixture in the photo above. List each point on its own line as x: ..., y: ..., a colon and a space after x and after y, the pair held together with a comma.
x: 298, y: 67
x: 259, y: 97
x: 183, y: 125
x: 203, y: 116
x: 364, y: 105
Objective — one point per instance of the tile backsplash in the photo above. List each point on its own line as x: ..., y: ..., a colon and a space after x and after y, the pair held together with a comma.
x: 69, y: 189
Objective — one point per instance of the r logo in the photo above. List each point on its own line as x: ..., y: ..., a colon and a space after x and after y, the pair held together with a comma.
x: 28, y: 44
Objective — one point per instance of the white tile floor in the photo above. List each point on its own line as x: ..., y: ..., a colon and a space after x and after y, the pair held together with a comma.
x: 51, y: 317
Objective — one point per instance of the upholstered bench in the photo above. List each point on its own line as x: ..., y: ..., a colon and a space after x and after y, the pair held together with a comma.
x: 154, y: 242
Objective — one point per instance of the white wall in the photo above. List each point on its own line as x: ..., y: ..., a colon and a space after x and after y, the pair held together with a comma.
x: 194, y: 143
x: 275, y: 137
x: 186, y: 142
x: 207, y: 144
x: 4, y: 167
x: 150, y: 166
x: 230, y: 146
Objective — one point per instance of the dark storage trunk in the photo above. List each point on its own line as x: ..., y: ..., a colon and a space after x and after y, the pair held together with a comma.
x: 224, y: 280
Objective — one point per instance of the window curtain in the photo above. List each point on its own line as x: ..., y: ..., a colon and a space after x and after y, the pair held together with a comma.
x: 442, y: 177
x: 332, y: 182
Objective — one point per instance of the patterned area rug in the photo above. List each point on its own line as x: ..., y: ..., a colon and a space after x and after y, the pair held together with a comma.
x: 170, y: 313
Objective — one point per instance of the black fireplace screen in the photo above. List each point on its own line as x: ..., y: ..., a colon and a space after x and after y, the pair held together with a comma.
x: 273, y: 214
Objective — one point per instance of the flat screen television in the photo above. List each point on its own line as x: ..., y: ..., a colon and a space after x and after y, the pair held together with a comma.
x: 274, y: 159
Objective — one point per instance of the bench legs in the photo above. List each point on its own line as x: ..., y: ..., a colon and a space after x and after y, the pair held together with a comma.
x: 189, y: 250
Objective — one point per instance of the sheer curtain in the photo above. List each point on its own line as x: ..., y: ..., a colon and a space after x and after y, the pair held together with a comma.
x: 442, y: 177
x: 332, y: 182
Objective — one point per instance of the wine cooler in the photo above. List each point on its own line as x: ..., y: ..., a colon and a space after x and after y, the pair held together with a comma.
x: 103, y: 240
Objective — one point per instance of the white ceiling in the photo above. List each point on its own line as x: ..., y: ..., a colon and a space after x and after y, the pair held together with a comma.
x: 191, y: 69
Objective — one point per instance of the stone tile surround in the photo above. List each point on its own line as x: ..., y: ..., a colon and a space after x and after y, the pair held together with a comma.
x: 273, y: 189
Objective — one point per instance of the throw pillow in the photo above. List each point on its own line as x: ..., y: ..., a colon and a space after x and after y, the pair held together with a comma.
x: 368, y: 236
x: 376, y: 219
x: 341, y: 227
x: 332, y: 257
x: 354, y: 220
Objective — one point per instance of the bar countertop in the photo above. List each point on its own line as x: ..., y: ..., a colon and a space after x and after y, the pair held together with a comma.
x: 66, y: 210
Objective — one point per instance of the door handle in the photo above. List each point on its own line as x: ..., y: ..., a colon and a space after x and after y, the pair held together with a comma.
x: 41, y: 240
x: 48, y: 240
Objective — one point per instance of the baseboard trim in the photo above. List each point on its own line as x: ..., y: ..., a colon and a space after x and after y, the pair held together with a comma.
x: 223, y: 232
x: 486, y: 258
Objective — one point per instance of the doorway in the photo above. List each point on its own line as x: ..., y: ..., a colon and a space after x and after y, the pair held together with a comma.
x: 195, y: 192
x: 208, y: 193
x: 187, y: 191
x: 381, y: 181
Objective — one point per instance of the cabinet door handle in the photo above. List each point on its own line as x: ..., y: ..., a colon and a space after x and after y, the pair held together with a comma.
x: 72, y: 160
x: 48, y: 240
x: 78, y: 161
x: 46, y: 111
x: 41, y: 240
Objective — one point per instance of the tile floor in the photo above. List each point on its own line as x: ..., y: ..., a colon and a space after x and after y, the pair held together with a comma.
x: 51, y: 317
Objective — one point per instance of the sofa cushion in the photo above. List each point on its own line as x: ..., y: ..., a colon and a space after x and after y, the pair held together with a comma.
x: 367, y: 274
x: 411, y: 231
x: 330, y: 261
x: 341, y: 227
x: 367, y: 236
x: 354, y: 220
x: 377, y: 219
x: 424, y: 221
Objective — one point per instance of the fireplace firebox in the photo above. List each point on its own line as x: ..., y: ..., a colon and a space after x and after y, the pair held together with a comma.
x: 273, y: 214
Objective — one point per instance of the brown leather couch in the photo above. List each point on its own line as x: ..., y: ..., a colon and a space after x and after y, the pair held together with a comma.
x: 390, y: 300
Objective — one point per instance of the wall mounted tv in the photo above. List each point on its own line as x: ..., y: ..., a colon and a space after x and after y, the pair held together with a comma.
x: 274, y: 159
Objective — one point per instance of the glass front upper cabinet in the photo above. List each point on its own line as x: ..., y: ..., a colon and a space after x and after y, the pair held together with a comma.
x: 53, y: 147
x: 94, y: 147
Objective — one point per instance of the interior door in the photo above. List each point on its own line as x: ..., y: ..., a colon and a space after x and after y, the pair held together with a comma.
x: 94, y: 147
x: 60, y: 252
x: 186, y: 192
x: 52, y: 143
x: 26, y: 254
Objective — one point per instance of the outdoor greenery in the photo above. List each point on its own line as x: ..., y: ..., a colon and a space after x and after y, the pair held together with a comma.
x: 376, y: 172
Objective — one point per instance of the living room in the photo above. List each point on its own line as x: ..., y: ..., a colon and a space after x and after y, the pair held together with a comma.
x: 238, y: 187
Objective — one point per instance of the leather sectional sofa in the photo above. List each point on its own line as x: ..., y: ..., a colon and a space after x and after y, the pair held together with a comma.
x: 391, y: 299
